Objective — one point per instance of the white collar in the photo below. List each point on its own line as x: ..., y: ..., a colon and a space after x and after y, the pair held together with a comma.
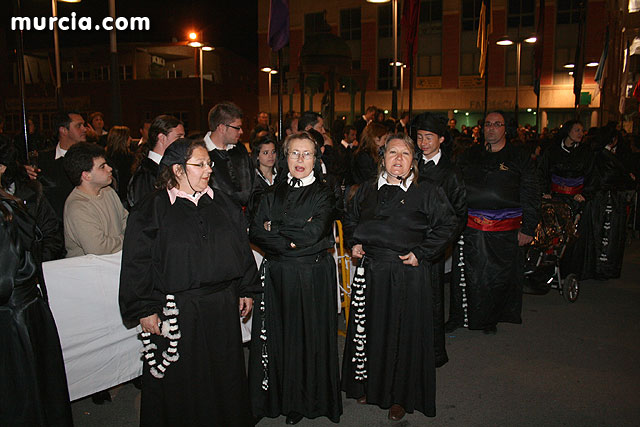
x: 211, y: 146
x: 345, y: 144
x: 382, y: 180
x: 435, y: 159
x: 307, y: 180
x: 565, y: 148
x: 155, y: 157
x: 275, y: 173
x: 60, y: 152
x: 365, y: 119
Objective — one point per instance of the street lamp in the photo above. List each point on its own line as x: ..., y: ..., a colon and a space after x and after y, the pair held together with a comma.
x: 402, y: 67
x: 394, y: 86
x: 270, y: 71
x: 507, y: 41
x: 56, y: 48
x: 201, y: 47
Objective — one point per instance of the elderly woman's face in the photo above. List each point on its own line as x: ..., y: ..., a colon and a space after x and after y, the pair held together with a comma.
x: 300, y: 158
x: 198, y: 171
x: 267, y: 155
x: 397, y: 158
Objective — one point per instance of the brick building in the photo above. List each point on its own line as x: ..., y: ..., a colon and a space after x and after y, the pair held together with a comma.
x: 446, y: 66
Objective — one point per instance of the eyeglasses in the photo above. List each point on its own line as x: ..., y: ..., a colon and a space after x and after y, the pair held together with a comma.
x: 493, y: 124
x: 201, y: 165
x: 233, y: 127
x: 305, y: 155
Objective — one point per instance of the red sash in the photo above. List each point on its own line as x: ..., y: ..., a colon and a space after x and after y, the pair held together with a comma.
x: 484, y: 224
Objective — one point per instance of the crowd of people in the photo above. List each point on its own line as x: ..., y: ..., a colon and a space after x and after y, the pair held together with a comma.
x: 187, y: 212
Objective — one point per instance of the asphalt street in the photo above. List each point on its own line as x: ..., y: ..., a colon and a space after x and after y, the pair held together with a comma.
x: 568, y: 364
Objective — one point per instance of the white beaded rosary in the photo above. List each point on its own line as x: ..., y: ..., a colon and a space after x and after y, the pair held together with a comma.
x: 170, y: 330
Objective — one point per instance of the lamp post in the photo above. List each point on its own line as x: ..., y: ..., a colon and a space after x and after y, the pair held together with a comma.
x: 507, y: 41
x: 201, y: 47
x: 402, y: 67
x: 269, y: 72
x: 394, y: 25
x: 56, y: 49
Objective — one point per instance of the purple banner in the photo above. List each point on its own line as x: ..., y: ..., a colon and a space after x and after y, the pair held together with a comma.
x: 278, y: 24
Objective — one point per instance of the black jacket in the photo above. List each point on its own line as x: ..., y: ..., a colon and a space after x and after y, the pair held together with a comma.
x: 55, y: 182
x: 142, y: 182
x: 233, y: 173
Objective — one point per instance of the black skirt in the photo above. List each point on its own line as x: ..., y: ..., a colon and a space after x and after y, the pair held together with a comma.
x: 399, y: 338
x: 300, y: 326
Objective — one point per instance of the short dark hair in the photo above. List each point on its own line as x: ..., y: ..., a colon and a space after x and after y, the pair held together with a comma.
x: 431, y: 122
x: 161, y: 125
x: 144, y: 122
x: 347, y: 129
x: 223, y: 114
x: 371, y: 109
x: 308, y: 118
x: 79, y: 159
x: 94, y: 115
x: 62, y: 119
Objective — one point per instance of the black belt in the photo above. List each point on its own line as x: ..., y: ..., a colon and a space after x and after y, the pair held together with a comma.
x: 304, y: 259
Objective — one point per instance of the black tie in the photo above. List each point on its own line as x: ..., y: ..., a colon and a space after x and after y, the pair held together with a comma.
x: 295, y: 182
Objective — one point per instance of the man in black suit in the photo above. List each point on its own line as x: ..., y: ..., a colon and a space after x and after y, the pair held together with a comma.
x: 233, y: 173
x: 56, y: 185
x: 363, y: 121
x: 163, y: 131
x: 430, y: 132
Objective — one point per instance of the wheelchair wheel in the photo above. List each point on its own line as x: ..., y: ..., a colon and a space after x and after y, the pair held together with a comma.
x: 570, y: 288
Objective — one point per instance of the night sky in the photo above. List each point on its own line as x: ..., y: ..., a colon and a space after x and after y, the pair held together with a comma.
x: 231, y: 24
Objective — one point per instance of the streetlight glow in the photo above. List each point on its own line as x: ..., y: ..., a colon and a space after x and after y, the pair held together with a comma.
x: 195, y: 44
x: 504, y: 41
x: 569, y: 65
x: 378, y: 1
x: 531, y: 39
x: 193, y: 36
x: 593, y: 64
x: 207, y: 48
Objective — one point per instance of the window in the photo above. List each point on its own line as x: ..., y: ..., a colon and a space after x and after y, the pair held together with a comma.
x: 431, y: 12
x: 83, y: 75
x: 521, y: 14
x: 174, y: 74
x: 313, y: 24
x: 385, y: 27
x: 67, y: 76
x: 429, y: 65
x: 385, y: 74
x: 102, y: 73
x: 350, y: 27
x: 471, y: 14
x: 568, y: 11
x: 469, y: 54
x: 126, y: 72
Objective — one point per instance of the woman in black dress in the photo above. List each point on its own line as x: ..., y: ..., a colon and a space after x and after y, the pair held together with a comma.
x: 397, y: 226
x: 293, y: 367
x: 33, y: 384
x: 186, y: 272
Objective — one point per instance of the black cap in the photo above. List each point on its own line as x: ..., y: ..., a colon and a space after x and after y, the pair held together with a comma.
x: 177, y: 152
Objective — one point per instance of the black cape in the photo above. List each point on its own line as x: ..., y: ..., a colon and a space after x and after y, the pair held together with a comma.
x: 300, y: 305
x: 398, y: 298
x: 201, y: 255
x: 33, y: 383
x: 447, y: 176
x: 142, y: 182
x: 488, y: 266
x: 233, y: 173
x: 55, y: 183
x: 606, y: 216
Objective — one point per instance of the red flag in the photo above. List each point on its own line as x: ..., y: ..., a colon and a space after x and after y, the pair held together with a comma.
x: 278, y: 24
x: 409, y: 25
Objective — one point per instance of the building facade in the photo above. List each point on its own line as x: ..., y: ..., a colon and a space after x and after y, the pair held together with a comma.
x: 445, y: 71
